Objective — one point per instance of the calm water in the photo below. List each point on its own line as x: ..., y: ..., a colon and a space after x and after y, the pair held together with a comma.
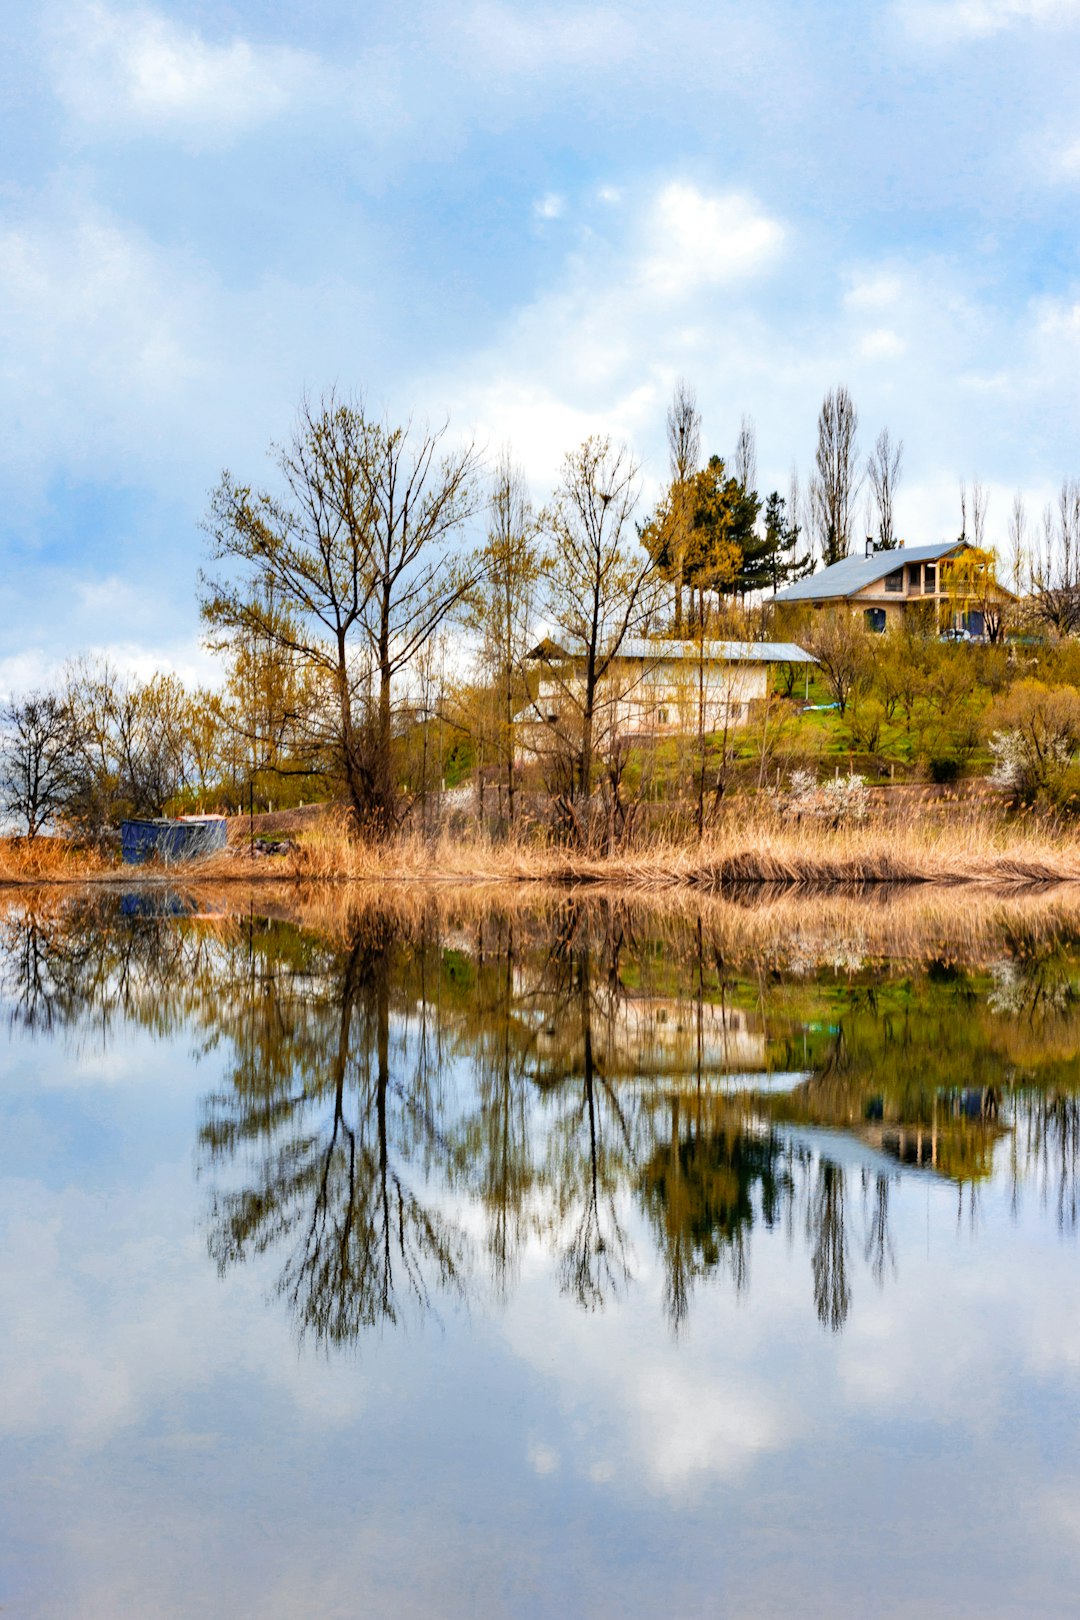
x: 573, y: 1262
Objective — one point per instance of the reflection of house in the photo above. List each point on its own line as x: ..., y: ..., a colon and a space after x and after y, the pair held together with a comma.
x: 884, y: 585
x: 655, y: 687
x: 646, y: 1037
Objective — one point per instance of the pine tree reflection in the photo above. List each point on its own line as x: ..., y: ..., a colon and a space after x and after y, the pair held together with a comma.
x: 704, y: 1188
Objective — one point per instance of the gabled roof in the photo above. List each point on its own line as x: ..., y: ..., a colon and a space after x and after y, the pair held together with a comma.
x: 855, y: 573
x: 659, y: 650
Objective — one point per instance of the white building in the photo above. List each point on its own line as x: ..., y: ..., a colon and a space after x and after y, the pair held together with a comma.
x: 656, y: 688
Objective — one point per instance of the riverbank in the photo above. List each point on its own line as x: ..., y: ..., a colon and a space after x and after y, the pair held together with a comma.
x: 972, y: 846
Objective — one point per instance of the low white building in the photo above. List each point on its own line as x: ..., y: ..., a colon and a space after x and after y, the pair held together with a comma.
x: 655, y: 688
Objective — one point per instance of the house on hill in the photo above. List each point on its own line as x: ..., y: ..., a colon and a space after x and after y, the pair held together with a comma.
x: 884, y: 585
x: 653, y: 687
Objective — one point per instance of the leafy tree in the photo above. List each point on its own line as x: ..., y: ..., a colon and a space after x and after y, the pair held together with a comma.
x: 842, y: 649
x: 969, y: 581
x: 132, y: 749
x: 722, y: 534
x: 1034, y: 734
x: 781, y: 562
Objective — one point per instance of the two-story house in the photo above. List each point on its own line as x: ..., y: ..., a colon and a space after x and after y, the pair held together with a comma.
x: 883, y: 586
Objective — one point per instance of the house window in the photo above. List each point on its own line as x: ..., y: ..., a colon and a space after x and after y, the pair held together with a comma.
x: 661, y: 715
x: 895, y: 580
x: 930, y: 579
x: 875, y: 619
x: 551, y: 718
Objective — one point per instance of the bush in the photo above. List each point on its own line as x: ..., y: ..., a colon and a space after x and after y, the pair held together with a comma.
x: 944, y: 768
x: 844, y: 800
x: 1034, y: 735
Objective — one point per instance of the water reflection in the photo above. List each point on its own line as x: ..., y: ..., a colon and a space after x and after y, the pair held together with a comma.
x: 413, y: 1100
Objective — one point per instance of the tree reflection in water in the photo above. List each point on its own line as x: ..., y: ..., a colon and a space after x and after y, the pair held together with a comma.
x: 338, y: 1155
x: 406, y: 1103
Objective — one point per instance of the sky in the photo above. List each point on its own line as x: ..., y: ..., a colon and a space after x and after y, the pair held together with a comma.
x: 531, y: 219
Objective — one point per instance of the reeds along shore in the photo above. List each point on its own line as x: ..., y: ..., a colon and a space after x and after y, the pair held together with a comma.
x: 755, y: 929
x: 973, y: 845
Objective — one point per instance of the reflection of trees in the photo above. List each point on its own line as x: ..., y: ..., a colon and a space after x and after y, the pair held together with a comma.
x: 829, y: 1257
x: 1046, y: 1145
x: 421, y: 1076
x: 699, y: 1189
x: 879, y: 1249
x: 494, y: 1148
x: 86, y: 966
x: 590, y: 1140
x: 337, y: 1155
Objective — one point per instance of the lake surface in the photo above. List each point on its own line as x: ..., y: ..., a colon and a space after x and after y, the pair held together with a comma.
x: 447, y: 1257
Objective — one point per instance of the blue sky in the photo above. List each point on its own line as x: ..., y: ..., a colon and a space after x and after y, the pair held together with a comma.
x: 531, y: 217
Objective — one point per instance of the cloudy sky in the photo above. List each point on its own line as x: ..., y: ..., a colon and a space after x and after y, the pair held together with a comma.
x: 532, y: 217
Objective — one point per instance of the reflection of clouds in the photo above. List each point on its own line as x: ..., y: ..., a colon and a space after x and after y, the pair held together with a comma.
x: 639, y: 1410
x: 113, y: 1311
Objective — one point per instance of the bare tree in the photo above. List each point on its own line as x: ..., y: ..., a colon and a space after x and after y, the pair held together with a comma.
x: 744, y: 464
x: 504, y: 602
x: 132, y: 744
x: 1056, y: 567
x: 884, y: 467
x: 598, y: 583
x: 835, y: 484
x: 841, y: 646
x: 1019, y: 561
x: 359, y: 552
x: 684, y: 455
x: 973, y: 514
x: 35, y: 759
x: 800, y: 510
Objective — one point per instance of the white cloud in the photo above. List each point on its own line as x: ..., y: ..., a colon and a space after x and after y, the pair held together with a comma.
x: 139, y: 67
x: 948, y: 21
x: 542, y: 1459
x: 881, y: 344
x: 698, y: 239
x: 549, y: 207
x: 571, y: 37
x: 636, y: 306
x: 598, y: 351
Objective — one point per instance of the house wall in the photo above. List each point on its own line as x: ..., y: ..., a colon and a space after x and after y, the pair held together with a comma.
x: 667, y: 696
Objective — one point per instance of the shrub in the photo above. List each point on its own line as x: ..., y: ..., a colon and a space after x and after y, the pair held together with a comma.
x: 1034, y: 735
x: 844, y: 800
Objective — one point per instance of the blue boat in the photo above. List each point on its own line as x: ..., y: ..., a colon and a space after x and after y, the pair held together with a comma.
x: 191, y: 838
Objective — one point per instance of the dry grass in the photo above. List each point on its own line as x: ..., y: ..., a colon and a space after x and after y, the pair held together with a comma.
x: 975, y: 845
x: 754, y: 930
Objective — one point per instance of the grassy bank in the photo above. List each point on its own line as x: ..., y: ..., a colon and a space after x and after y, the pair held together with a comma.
x: 973, y: 844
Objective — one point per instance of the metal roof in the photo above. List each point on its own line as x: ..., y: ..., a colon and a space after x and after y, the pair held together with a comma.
x: 855, y: 573
x: 720, y: 652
